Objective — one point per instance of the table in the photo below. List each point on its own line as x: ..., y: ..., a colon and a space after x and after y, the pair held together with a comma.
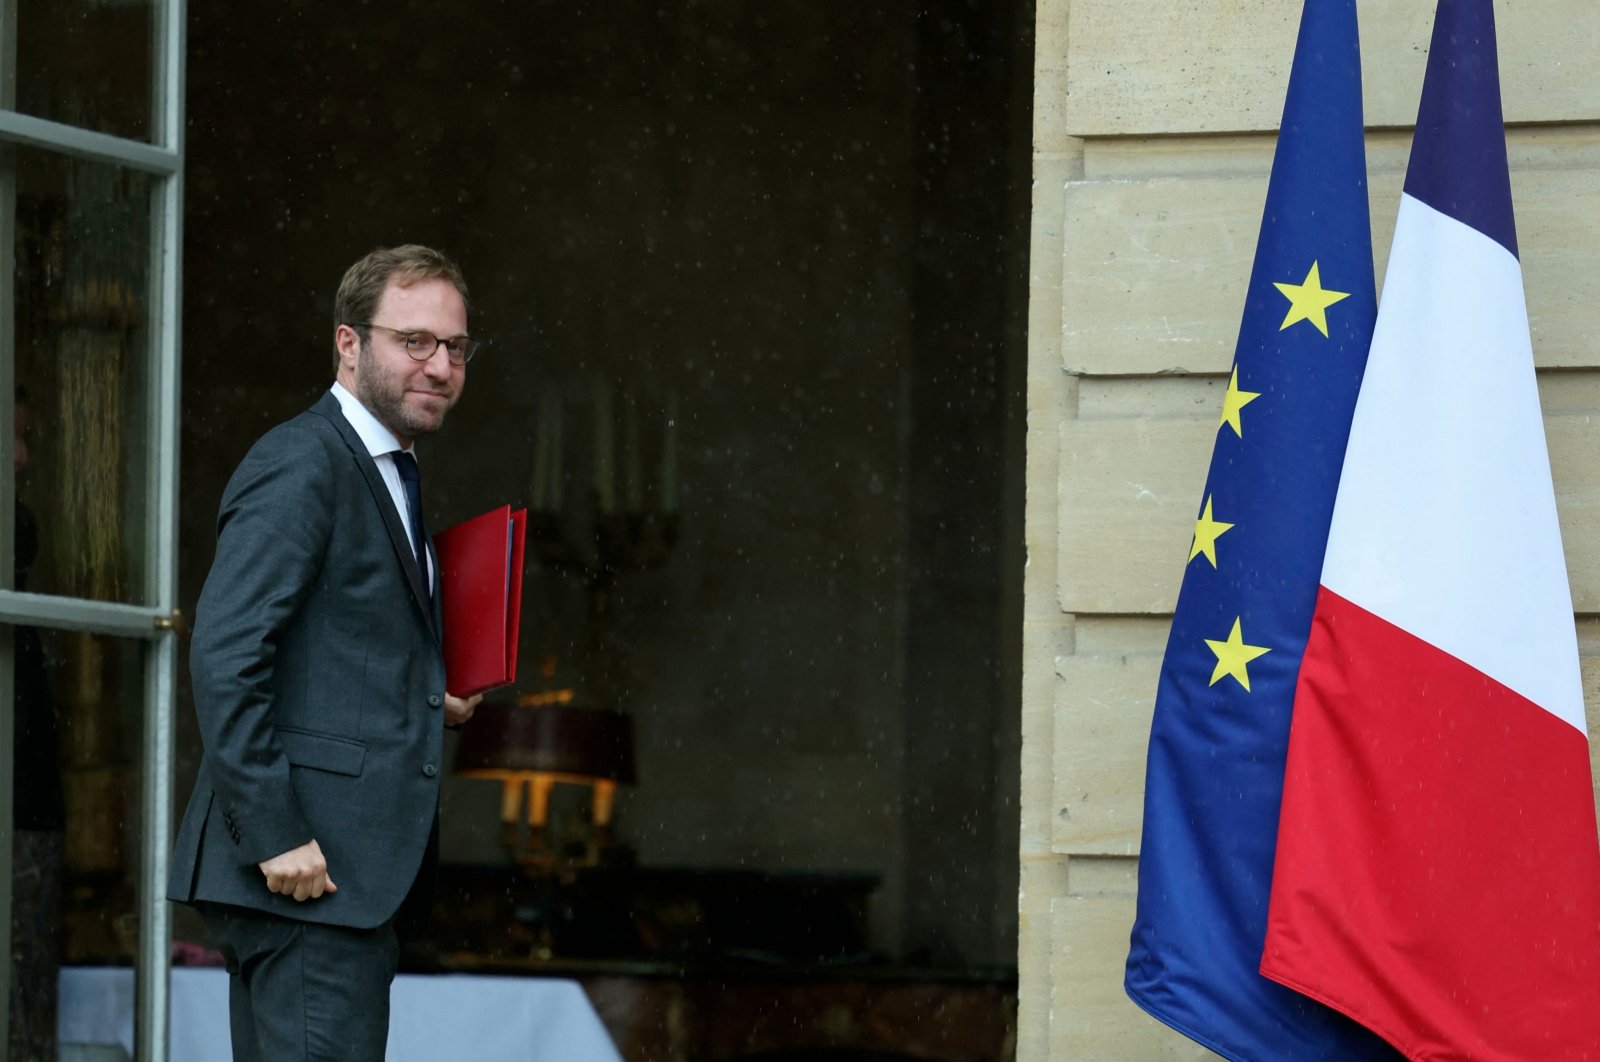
x: 430, y: 1016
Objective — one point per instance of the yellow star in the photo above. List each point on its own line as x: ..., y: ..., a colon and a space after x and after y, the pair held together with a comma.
x: 1233, y: 401
x: 1233, y: 655
x: 1206, y: 533
x: 1309, y: 301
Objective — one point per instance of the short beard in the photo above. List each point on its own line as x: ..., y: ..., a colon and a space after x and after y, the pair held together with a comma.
x: 388, y: 405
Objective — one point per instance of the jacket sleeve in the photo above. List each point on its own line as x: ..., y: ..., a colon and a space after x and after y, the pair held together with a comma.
x: 273, y: 532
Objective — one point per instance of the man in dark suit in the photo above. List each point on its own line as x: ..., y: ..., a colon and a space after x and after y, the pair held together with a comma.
x: 319, y: 681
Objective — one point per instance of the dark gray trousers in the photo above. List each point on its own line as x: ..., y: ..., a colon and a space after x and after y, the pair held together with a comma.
x: 300, y: 990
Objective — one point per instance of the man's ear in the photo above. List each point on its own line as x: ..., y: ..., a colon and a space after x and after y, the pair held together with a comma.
x: 347, y: 343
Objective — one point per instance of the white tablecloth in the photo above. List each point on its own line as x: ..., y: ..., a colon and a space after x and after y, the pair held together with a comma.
x: 431, y: 1017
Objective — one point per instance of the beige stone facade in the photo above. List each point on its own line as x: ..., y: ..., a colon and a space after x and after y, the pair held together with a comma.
x: 1153, y: 138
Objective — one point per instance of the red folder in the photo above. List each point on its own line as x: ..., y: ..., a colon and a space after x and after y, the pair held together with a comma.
x: 480, y: 585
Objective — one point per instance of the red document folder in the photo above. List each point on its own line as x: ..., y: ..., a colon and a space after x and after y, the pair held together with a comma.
x: 480, y: 583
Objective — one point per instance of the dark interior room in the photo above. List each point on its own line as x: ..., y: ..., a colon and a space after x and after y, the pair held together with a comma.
x: 752, y: 280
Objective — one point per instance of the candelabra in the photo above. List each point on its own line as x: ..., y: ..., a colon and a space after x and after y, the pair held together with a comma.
x: 557, y: 736
x: 634, y: 536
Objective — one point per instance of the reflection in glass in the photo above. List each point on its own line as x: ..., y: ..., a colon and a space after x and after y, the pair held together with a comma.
x: 77, y: 785
x: 83, y: 258
x: 86, y: 63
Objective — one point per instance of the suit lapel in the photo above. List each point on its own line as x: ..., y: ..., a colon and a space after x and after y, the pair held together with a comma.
x: 328, y: 408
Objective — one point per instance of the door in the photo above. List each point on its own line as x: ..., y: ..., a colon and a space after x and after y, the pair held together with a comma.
x: 91, y: 184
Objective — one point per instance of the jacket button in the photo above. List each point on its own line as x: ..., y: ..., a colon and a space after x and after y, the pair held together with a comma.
x: 434, y: 700
x: 429, y: 769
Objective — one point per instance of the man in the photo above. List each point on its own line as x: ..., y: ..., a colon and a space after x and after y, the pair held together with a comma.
x: 319, y: 680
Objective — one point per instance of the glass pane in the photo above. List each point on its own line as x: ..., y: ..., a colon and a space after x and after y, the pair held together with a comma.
x: 82, y: 254
x: 86, y: 63
x: 79, y: 719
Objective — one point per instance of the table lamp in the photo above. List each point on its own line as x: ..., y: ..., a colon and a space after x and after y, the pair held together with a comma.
x: 536, y: 742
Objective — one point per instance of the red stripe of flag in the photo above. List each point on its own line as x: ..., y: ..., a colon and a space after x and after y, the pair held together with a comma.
x: 1432, y: 881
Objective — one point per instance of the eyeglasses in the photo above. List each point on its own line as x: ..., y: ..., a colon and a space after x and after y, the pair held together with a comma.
x: 422, y: 345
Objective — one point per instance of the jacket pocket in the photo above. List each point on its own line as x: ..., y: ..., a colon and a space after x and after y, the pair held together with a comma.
x: 323, y: 752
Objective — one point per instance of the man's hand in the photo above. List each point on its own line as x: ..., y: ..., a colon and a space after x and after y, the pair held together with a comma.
x: 300, y: 872
x: 458, y: 711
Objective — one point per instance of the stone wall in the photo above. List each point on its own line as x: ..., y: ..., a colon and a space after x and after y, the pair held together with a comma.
x: 1153, y: 139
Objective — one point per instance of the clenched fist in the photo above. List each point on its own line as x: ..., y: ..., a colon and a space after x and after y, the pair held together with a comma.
x: 300, y: 872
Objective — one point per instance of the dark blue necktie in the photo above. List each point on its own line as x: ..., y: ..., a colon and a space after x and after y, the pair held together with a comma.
x: 411, y: 479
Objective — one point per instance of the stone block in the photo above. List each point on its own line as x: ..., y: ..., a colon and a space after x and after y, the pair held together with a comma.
x: 1038, y: 760
x: 1155, y: 269
x: 1042, y: 880
x: 1224, y: 67
x: 1129, y: 491
x: 1090, y: 1015
x: 1104, y: 703
x: 1130, y: 488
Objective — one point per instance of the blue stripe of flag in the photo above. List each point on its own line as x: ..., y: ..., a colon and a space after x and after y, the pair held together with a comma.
x: 1460, y: 118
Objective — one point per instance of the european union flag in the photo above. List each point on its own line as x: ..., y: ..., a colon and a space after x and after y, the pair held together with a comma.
x: 1221, y: 728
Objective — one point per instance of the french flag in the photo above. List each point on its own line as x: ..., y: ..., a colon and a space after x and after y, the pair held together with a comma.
x: 1437, y: 871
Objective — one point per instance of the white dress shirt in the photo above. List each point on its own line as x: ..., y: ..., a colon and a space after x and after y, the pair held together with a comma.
x: 382, y: 445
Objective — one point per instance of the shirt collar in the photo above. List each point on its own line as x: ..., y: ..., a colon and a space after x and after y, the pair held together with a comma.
x: 378, y: 439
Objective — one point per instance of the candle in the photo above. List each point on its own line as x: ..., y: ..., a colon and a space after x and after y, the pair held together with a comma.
x: 558, y: 475
x: 540, y: 453
x: 669, y: 456
x: 632, y: 480
x: 604, y: 491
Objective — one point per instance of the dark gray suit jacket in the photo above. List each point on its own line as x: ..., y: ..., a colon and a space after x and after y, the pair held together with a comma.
x: 318, y: 683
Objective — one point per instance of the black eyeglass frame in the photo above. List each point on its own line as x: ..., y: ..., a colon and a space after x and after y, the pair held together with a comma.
x: 406, y: 336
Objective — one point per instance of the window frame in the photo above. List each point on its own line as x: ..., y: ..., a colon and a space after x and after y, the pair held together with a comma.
x: 156, y: 623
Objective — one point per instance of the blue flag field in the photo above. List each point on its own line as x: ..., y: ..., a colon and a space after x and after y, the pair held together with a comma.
x: 1220, y: 733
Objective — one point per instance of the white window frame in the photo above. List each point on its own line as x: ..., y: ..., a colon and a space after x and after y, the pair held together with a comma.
x: 156, y: 622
